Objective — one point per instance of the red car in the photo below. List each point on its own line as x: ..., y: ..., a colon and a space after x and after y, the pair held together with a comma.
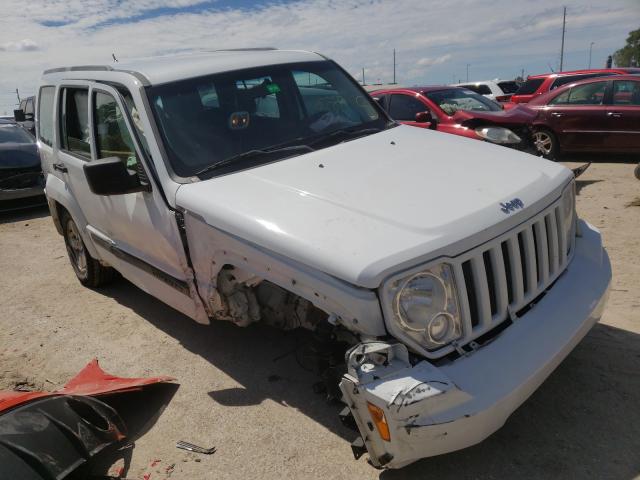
x: 541, y: 84
x: 459, y: 111
x: 600, y: 114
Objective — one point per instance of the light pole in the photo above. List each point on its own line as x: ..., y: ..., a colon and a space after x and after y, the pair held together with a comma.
x: 468, y: 65
x: 590, y: 50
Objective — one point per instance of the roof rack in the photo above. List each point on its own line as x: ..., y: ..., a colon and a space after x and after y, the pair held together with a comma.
x: 80, y: 68
x: 248, y: 49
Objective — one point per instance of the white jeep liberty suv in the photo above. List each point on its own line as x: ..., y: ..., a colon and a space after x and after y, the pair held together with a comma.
x: 266, y: 185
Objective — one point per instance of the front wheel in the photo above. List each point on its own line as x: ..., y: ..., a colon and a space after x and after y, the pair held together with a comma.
x: 546, y: 144
x: 89, y: 271
x: 636, y: 172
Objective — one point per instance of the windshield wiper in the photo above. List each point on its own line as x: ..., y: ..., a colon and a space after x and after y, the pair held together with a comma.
x: 255, y: 153
x: 347, y: 133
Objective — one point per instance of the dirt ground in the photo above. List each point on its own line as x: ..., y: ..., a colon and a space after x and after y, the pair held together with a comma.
x: 240, y: 391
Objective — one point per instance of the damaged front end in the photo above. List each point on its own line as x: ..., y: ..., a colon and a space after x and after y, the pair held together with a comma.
x: 389, y: 397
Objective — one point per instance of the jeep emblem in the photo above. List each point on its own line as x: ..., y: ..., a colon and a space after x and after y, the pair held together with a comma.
x: 511, y: 206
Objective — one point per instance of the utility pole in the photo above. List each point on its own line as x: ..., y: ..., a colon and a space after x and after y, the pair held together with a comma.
x: 564, y: 23
x: 18, y: 95
x: 590, y: 50
x: 363, y: 82
x: 468, y: 65
x: 394, y: 66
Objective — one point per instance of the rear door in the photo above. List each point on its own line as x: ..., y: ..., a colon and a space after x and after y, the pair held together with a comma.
x: 404, y: 107
x: 578, y: 117
x: 623, y: 115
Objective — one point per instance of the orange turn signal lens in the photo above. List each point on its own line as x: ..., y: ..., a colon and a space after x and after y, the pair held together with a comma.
x: 377, y: 415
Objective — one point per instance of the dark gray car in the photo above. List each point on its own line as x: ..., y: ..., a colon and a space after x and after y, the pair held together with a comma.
x: 21, y: 180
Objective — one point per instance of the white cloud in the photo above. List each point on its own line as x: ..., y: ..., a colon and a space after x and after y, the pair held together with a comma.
x: 25, y: 45
x: 434, y: 40
x: 428, y: 62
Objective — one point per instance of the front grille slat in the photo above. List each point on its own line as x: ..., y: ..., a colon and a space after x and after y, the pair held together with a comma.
x: 499, y: 279
x: 516, y: 270
x: 464, y: 297
x: 500, y: 282
x: 482, y: 291
x: 562, y: 240
x: 552, y: 240
x: 531, y: 264
x: 542, y: 251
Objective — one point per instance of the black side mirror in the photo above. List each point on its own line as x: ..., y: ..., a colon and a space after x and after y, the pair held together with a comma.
x: 19, y: 116
x: 424, y: 117
x: 110, y: 176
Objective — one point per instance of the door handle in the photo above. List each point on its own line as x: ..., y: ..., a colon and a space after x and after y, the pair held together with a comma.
x: 60, y: 167
x: 614, y: 114
x: 556, y: 114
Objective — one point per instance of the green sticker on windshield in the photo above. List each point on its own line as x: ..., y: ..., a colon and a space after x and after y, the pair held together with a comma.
x: 273, y: 88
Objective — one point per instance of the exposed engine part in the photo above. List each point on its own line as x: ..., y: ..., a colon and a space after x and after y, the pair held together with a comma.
x: 234, y: 298
x: 243, y: 298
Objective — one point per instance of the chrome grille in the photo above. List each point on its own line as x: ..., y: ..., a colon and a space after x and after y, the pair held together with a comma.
x: 501, y: 277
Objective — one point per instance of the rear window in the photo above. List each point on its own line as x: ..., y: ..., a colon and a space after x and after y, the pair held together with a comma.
x: 14, y: 134
x: 530, y: 86
x: 508, y: 87
x: 478, y: 88
x: 558, y: 82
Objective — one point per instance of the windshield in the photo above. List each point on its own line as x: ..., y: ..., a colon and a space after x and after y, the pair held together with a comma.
x: 14, y: 134
x: 213, y: 119
x: 450, y: 101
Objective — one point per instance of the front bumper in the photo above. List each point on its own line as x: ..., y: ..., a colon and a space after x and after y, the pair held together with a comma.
x: 433, y: 410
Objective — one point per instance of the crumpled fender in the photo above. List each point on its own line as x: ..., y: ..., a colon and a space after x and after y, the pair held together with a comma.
x: 90, y: 381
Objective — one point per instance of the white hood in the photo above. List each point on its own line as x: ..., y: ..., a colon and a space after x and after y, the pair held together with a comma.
x: 368, y: 208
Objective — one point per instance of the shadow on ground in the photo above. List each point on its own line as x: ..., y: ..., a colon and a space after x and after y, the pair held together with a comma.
x: 21, y: 215
x: 584, y: 422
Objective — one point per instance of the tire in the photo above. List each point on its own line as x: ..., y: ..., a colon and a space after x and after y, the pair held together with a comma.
x: 546, y: 144
x: 636, y: 171
x: 89, y: 271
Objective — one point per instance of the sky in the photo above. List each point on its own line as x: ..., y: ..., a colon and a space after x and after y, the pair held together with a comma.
x: 435, y: 40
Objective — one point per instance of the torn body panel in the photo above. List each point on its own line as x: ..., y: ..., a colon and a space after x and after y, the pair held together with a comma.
x: 430, y: 410
x: 234, y: 277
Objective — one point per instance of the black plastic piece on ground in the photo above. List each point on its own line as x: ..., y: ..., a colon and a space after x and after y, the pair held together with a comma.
x: 346, y: 417
x: 358, y: 448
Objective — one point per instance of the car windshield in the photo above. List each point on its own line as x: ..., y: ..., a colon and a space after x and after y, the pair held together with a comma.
x: 228, y: 117
x: 450, y: 101
x: 14, y: 134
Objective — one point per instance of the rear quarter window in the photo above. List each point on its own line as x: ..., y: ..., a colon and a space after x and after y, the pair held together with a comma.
x: 45, y: 115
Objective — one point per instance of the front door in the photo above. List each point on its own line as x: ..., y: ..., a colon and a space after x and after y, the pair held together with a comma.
x: 136, y: 232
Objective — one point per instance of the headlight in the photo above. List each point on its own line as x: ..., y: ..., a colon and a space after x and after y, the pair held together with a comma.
x: 426, y: 307
x: 568, y: 206
x: 498, y: 135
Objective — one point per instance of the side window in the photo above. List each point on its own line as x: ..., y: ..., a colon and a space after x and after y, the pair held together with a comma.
x: 404, y: 107
x: 588, y: 94
x: 45, y: 115
x: 112, y: 136
x: 74, y: 121
x: 626, y: 92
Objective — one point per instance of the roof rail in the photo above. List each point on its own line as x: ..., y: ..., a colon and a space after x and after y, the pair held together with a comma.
x: 80, y: 68
x: 248, y: 49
